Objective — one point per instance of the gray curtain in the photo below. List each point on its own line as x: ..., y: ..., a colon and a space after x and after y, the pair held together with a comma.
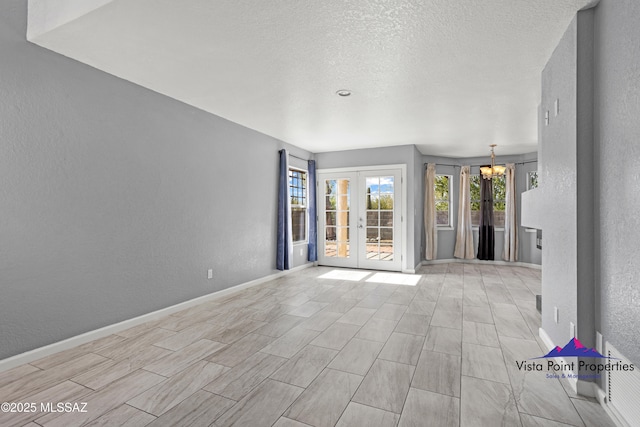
x: 510, y: 251
x: 464, y: 236
x: 430, y: 225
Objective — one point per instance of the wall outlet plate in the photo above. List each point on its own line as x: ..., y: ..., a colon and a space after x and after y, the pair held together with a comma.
x: 555, y: 314
x: 210, y: 274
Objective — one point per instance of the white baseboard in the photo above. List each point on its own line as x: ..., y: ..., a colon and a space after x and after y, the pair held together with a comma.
x: 587, y: 388
x: 39, y: 353
x: 546, y: 339
x: 413, y: 271
x: 477, y: 261
x: 440, y: 261
x: 581, y: 387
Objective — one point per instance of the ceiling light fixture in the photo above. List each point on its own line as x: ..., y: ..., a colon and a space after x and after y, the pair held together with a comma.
x: 343, y: 92
x: 490, y: 172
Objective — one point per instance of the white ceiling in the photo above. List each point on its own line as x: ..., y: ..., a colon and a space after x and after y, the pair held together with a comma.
x: 450, y: 76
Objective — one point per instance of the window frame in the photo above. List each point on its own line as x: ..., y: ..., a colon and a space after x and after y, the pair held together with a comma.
x: 529, y: 175
x: 503, y: 201
x: 480, y: 178
x: 304, y: 206
x: 472, y: 200
x: 449, y: 224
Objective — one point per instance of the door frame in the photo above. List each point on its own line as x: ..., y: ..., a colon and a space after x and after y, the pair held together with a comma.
x: 403, y: 203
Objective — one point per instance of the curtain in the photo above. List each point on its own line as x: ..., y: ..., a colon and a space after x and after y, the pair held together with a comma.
x: 486, y: 233
x: 313, y: 225
x: 510, y: 251
x: 284, y: 251
x: 464, y: 236
x: 430, y: 224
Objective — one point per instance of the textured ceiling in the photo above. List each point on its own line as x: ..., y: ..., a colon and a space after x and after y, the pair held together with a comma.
x: 451, y: 76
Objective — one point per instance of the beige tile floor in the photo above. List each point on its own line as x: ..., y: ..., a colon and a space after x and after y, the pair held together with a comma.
x: 320, y: 347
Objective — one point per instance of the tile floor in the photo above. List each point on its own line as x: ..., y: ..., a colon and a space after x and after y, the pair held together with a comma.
x: 320, y: 347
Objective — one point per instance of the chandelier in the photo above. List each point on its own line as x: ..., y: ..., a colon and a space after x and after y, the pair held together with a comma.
x: 490, y: 172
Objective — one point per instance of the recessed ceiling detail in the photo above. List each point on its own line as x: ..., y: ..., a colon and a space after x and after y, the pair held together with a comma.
x: 449, y: 76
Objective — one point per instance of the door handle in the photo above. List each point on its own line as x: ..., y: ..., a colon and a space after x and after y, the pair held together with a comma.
x: 361, y: 226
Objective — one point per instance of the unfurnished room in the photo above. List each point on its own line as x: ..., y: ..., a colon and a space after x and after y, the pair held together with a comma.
x: 319, y: 213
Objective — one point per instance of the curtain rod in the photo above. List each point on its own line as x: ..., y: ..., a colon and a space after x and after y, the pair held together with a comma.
x: 299, y: 158
x: 474, y: 166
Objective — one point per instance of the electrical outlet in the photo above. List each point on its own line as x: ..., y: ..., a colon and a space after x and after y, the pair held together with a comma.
x: 210, y: 274
x: 555, y: 314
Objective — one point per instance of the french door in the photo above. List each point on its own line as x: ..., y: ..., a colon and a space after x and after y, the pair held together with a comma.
x: 359, y: 224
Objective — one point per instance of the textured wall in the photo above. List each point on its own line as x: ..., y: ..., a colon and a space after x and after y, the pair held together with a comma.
x: 585, y: 190
x: 115, y: 200
x: 617, y: 76
x: 567, y: 184
x: 557, y: 159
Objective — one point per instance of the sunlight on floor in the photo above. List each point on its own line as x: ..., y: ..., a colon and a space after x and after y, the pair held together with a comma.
x: 395, y: 279
x: 351, y: 275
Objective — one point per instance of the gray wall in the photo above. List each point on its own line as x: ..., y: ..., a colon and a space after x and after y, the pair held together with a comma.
x: 558, y: 177
x: 115, y: 200
x: 404, y: 154
x: 567, y: 184
x: 418, y: 197
x: 589, y: 159
x: 617, y: 130
x: 527, y: 252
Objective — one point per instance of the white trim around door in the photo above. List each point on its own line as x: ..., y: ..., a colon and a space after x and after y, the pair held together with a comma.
x: 362, y: 217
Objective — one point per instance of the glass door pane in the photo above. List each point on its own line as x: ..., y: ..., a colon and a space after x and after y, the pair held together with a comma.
x: 359, y: 223
x: 335, y: 220
x: 379, y: 213
x: 337, y: 207
x: 379, y: 220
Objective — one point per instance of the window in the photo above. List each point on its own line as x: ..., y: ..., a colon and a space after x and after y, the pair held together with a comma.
x: 499, y: 198
x: 532, y: 180
x: 443, y: 201
x: 298, y: 195
x: 475, y: 199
